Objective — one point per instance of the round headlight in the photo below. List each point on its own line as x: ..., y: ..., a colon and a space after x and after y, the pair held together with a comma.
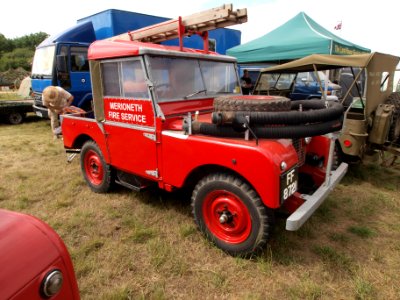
x: 52, y: 283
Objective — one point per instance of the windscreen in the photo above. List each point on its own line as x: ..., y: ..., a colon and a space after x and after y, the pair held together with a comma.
x: 43, y: 61
x: 187, y: 78
x: 271, y: 81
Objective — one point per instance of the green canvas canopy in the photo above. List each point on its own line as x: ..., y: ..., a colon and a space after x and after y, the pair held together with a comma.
x: 299, y: 37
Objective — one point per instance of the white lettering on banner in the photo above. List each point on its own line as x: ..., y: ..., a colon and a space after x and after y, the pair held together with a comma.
x: 113, y: 115
x: 133, y: 118
x: 126, y: 112
x: 134, y: 107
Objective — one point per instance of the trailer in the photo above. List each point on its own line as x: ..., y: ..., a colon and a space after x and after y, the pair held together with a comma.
x: 14, y: 111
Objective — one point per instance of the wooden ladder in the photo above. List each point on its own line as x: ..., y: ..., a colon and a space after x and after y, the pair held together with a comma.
x: 198, y: 23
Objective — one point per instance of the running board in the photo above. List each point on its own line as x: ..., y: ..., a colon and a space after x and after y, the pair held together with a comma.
x: 131, y: 181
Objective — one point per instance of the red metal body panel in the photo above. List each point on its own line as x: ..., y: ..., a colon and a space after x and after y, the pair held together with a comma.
x: 73, y: 128
x: 183, y: 107
x: 130, y: 149
x: 109, y: 49
x: 29, y: 249
x: 320, y: 146
x: 259, y: 165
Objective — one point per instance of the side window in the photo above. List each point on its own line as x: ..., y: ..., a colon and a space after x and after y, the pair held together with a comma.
x: 79, y: 60
x: 302, y: 77
x: 133, y: 80
x: 212, y: 45
x: 384, y: 81
x: 110, y: 79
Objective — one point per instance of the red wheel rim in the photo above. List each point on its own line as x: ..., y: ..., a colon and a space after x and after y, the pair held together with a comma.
x: 93, y: 167
x: 237, y: 226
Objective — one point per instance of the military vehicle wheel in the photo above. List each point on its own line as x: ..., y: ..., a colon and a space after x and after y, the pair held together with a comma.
x: 98, y: 175
x: 15, y: 118
x: 394, y: 130
x: 230, y: 214
x: 251, y: 103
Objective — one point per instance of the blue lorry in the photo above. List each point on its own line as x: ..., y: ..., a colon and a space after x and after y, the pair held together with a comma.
x: 61, y: 59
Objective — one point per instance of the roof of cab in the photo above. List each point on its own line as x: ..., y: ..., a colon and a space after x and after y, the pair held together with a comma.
x: 104, y: 49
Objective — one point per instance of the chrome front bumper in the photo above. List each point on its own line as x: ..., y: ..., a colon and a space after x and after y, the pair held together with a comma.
x: 312, y: 202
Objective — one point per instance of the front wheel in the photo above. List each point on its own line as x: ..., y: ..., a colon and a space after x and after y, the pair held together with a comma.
x: 97, y: 173
x: 230, y: 214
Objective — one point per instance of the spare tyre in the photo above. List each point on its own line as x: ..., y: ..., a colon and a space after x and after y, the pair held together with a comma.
x: 251, y: 103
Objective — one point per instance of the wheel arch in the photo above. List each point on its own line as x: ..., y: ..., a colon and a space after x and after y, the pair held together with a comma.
x: 81, y: 139
x: 198, y: 173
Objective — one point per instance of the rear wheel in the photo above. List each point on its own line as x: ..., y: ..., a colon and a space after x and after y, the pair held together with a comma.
x: 230, y: 214
x: 15, y: 118
x: 97, y: 173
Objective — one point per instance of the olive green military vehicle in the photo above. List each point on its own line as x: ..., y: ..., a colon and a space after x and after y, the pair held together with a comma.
x: 372, y: 110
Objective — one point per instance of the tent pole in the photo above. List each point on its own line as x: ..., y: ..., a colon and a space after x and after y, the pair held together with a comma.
x: 319, y: 81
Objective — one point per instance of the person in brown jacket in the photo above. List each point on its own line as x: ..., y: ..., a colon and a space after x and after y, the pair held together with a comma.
x: 56, y: 99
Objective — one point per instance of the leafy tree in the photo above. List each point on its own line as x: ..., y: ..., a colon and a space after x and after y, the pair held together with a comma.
x: 6, y: 45
x: 18, y: 52
x: 20, y: 57
x: 30, y: 41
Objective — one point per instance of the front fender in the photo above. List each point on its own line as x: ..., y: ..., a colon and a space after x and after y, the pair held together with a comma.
x: 258, y: 164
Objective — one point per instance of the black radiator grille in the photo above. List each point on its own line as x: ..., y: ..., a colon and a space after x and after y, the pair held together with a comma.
x: 298, y: 144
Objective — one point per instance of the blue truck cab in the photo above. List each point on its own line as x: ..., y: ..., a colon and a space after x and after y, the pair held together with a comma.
x: 61, y: 59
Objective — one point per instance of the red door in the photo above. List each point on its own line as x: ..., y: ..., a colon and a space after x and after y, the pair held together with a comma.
x: 131, y: 135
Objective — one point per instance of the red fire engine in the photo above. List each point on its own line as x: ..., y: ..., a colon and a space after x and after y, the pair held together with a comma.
x: 174, y: 117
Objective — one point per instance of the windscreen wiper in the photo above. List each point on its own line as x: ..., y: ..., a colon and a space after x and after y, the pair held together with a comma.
x: 194, y: 94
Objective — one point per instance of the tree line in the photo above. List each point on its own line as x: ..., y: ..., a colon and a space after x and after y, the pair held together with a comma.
x: 18, y: 52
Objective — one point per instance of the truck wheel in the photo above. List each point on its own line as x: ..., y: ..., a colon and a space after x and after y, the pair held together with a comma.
x: 15, y: 118
x: 230, y: 214
x: 97, y: 173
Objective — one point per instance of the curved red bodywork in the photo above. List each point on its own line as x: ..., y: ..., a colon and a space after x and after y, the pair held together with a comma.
x: 30, y: 249
x: 120, y: 48
x: 177, y: 155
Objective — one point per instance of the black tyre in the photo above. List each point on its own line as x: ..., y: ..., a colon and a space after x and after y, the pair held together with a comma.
x: 98, y: 175
x: 394, y: 130
x: 230, y: 214
x: 251, y: 103
x: 15, y: 118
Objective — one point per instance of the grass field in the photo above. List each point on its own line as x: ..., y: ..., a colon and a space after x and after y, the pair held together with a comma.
x: 128, y: 245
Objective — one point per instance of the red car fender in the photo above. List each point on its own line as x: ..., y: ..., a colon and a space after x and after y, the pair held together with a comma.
x: 75, y: 128
x: 258, y: 164
x: 29, y: 250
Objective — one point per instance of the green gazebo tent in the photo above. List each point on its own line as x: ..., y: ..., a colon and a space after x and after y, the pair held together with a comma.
x: 297, y: 38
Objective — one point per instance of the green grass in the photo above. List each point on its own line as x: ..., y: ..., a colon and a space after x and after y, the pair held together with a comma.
x: 128, y: 245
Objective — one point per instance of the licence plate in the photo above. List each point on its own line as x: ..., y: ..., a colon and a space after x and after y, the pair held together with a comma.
x: 38, y: 113
x: 289, y: 182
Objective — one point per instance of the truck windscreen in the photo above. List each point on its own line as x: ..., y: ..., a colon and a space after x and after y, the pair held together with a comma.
x: 43, y: 61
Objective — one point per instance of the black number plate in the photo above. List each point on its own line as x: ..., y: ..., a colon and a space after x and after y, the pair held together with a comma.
x: 289, y: 182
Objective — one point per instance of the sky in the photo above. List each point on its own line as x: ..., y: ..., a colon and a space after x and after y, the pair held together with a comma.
x: 371, y: 24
